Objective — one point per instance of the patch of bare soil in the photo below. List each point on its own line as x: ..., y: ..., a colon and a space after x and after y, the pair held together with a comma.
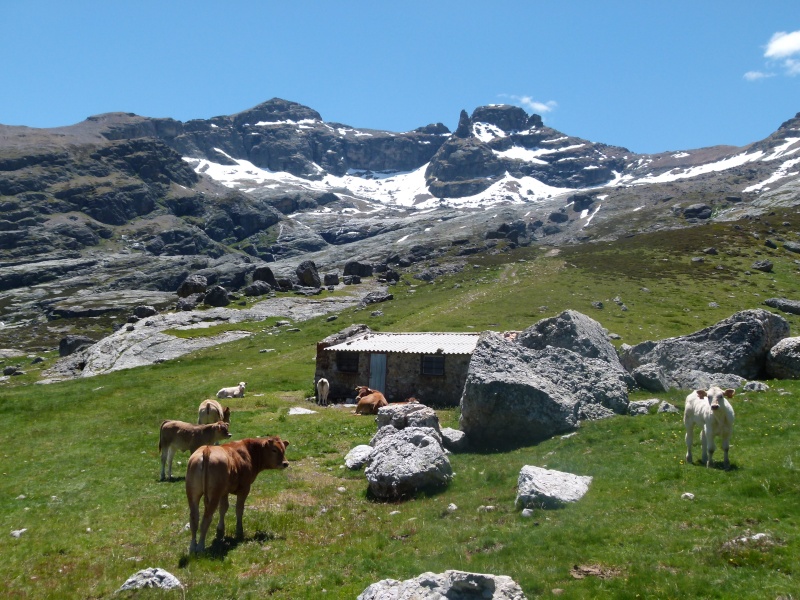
x: 603, y: 572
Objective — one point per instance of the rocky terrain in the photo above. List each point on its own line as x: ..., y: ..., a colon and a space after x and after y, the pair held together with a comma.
x: 117, y: 211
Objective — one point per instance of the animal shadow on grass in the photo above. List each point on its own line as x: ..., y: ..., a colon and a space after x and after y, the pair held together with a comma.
x: 173, y: 480
x: 718, y: 465
x: 220, y: 547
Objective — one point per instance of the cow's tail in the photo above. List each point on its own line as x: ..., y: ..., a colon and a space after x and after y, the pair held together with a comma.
x: 204, y: 466
x: 159, y: 434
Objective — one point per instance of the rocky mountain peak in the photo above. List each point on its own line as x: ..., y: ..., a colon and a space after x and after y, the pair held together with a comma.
x: 506, y: 117
x: 276, y: 110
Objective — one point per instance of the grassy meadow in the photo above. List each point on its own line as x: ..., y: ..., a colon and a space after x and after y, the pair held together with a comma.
x: 80, y: 464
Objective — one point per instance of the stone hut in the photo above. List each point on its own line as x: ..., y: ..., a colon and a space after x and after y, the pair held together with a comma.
x: 431, y: 367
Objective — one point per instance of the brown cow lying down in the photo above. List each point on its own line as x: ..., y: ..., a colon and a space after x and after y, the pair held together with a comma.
x: 216, y: 471
x: 368, y: 401
x: 179, y: 436
x: 210, y: 411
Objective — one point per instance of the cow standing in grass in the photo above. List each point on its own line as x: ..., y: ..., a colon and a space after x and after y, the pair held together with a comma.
x: 323, y: 388
x: 216, y: 471
x: 711, y: 411
x: 174, y: 436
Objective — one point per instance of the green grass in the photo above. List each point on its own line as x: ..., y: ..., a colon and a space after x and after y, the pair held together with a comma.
x: 84, y: 455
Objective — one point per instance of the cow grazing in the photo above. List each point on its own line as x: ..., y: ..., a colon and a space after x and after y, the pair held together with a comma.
x: 216, y: 471
x: 368, y: 401
x: 177, y: 436
x: 232, y: 392
x: 711, y: 411
x: 211, y: 411
x: 323, y: 387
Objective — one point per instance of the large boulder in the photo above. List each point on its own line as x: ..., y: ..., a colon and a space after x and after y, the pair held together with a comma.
x: 784, y: 305
x: 265, y: 274
x: 783, y: 361
x: 577, y: 332
x: 217, y: 296
x: 401, y: 416
x: 353, y: 267
x: 193, y: 284
x: 71, y: 343
x: 452, y: 585
x: 515, y: 395
x: 308, y: 275
x: 546, y: 488
x: 737, y: 346
x: 408, y: 461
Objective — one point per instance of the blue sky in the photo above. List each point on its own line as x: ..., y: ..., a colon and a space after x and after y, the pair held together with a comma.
x: 649, y: 76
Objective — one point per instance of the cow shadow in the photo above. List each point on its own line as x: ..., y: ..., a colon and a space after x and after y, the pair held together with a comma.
x: 172, y: 480
x: 717, y: 465
x: 220, y: 547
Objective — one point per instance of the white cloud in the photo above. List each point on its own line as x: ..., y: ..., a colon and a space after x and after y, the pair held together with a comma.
x: 756, y: 75
x: 784, y: 48
x: 535, y: 106
x: 783, y: 45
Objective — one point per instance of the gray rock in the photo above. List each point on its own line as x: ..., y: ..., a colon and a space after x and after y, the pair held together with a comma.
x: 331, y: 279
x: 697, y: 211
x: 143, y: 311
x: 792, y: 247
x: 546, y: 488
x: 783, y: 361
x: 454, y: 440
x: 785, y: 305
x: 401, y: 416
x: 151, y: 578
x: 574, y: 331
x: 737, y: 346
x: 651, y: 378
x: 193, y: 284
x: 756, y: 386
x: 450, y: 585
x: 642, y: 407
x: 257, y: 288
x: 358, y: 457
x: 666, y: 407
x: 265, y: 274
x: 515, y: 395
x: 73, y: 343
x: 217, y: 296
x: 407, y: 462
x: 308, y: 275
x: 353, y: 267
x: 376, y: 297
x: 763, y: 265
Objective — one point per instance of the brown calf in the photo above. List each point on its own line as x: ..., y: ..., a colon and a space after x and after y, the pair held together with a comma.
x: 369, y: 401
x: 177, y: 436
x: 216, y: 471
x: 210, y: 411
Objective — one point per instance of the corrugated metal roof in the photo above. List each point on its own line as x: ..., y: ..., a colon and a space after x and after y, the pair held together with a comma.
x: 410, y: 343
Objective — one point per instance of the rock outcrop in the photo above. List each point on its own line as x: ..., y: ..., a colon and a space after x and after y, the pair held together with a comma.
x: 453, y: 585
x: 736, y: 346
x: 516, y: 395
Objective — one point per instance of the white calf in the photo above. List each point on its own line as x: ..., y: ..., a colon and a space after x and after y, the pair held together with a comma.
x: 323, y: 387
x: 232, y: 392
x: 710, y: 410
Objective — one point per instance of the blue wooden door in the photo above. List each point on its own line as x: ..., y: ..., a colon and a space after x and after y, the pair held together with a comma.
x: 377, y: 372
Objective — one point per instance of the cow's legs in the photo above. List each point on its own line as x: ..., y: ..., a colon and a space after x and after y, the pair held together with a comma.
x: 194, y: 520
x: 164, y: 452
x: 223, y: 508
x: 208, y: 513
x: 689, y: 442
x: 708, y: 446
x: 240, y: 498
x: 170, y: 456
x: 726, y: 442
